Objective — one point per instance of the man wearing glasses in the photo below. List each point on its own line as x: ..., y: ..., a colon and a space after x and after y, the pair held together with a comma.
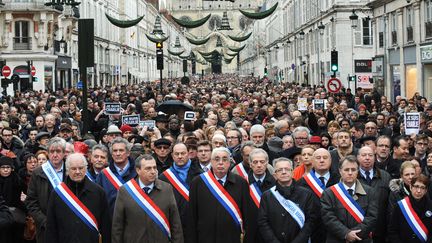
x: 383, y: 152
x: 162, y: 154
x: 421, y: 146
x: 218, y: 203
x: 287, y: 211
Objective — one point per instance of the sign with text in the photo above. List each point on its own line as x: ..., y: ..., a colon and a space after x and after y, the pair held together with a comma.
x: 189, y: 116
x: 112, y: 108
x: 363, y: 81
x: 426, y: 53
x: 148, y: 123
x: 363, y: 66
x: 412, y: 123
x: 319, y: 104
x: 131, y: 120
x: 302, y: 104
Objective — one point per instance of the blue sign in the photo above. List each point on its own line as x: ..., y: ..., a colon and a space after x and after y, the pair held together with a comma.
x: 80, y: 85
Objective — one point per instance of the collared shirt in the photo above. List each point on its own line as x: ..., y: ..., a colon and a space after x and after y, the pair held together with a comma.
x: 203, y: 167
x: 259, y: 179
x: 142, y: 185
x: 352, y: 187
x: 122, y: 171
x: 59, y: 172
x: 363, y: 173
x: 223, y: 179
x: 326, y: 176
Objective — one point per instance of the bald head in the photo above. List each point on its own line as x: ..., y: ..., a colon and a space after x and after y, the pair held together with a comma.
x: 321, y: 161
x: 366, y: 158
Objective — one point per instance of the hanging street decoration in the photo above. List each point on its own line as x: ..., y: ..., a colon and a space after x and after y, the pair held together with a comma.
x: 232, y: 54
x: 123, y: 23
x: 71, y: 3
x: 178, y: 49
x: 233, y: 49
x: 219, y: 42
x: 260, y: 15
x: 156, y: 39
x: 225, y: 22
x: 240, y: 38
x: 197, y: 42
x: 191, y: 23
x: 157, y: 35
x: 174, y: 53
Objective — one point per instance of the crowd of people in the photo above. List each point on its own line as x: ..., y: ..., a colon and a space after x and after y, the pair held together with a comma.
x: 253, y: 165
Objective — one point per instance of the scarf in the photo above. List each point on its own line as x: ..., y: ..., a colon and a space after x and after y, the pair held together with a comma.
x: 183, y: 170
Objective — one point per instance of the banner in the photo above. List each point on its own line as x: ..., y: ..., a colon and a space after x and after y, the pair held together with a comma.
x: 412, y: 123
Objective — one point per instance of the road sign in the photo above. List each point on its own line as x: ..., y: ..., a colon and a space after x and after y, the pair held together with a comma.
x: 159, y: 45
x: 33, y: 71
x: 6, y: 71
x: 334, y: 85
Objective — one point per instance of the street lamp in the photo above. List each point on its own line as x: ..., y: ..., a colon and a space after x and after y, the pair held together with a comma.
x: 321, y: 28
x: 354, y: 19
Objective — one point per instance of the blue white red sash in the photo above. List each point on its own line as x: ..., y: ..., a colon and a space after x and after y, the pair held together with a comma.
x: 112, y: 178
x: 241, y: 171
x: 314, y: 183
x: 51, y: 174
x: 77, y: 206
x: 413, y: 219
x: 255, y: 193
x: 348, y: 202
x: 295, y: 211
x: 223, y: 197
x: 145, y: 202
x: 177, y: 183
x: 89, y: 176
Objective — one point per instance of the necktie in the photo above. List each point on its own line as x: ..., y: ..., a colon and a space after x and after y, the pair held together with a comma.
x: 220, y: 182
x: 205, y: 168
x: 368, y: 178
x: 146, y: 189
x: 351, y: 192
x: 322, y: 179
x: 259, y: 183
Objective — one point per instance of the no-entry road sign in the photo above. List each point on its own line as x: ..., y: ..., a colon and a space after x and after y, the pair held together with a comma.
x: 6, y: 71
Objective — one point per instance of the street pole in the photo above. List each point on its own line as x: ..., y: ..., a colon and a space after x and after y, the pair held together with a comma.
x: 160, y: 81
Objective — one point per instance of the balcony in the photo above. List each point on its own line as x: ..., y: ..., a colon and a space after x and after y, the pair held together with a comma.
x: 22, y: 43
x: 394, y: 37
x: 410, y: 34
x: 428, y: 27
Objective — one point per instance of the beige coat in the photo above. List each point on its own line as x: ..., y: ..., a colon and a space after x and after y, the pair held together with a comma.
x: 132, y: 224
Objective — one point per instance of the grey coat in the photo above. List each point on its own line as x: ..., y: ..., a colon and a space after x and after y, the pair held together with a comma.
x: 131, y: 224
x: 339, y: 222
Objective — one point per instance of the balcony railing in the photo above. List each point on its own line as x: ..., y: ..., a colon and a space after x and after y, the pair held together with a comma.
x: 394, y: 37
x: 428, y: 27
x: 22, y: 43
x: 410, y: 34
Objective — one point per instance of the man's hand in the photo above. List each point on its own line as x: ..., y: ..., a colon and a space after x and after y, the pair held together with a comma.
x: 352, y: 236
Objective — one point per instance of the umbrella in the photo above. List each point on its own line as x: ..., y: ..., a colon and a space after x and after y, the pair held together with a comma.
x: 174, y: 107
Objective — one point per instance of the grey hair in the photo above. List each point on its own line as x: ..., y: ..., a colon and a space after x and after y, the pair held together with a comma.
x: 257, y: 151
x: 230, y: 123
x: 301, y: 129
x: 56, y: 142
x: 100, y: 147
x: 79, y: 155
x: 141, y: 158
x: 283, y: 159
x: 247, y: 144
x: 123, y: 141
x: 220, y: 149
x: 257, y: 128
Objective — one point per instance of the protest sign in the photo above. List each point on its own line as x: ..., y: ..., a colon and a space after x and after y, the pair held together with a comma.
x: 412, y: 123
x: 112, y: 108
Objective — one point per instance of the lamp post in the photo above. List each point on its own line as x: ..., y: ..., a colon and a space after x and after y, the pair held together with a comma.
x: 354, y: 21
x: 321, y: 28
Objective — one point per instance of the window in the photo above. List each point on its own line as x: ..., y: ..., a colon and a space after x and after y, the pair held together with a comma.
x: 367, y: 32
x: 22, y: 41
x: 394, y: 23
x: 381, y: 32
x: 428, y: 19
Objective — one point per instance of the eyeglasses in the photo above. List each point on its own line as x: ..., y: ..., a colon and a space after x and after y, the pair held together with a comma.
x: 419, y: 187
x: 281, y: 170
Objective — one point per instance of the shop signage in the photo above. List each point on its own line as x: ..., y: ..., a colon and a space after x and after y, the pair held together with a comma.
x: 363, y: 66
x: 426, y: 53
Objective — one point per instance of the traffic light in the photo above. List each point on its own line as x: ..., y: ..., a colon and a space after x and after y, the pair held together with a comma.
x: 159, y: 56
x: 334, y: 66
x: 265, y: 71
x: 15, y: 78
x: 352, y: 78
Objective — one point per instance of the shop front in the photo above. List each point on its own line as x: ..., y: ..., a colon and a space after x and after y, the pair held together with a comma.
x: 411, y: 82
x: 426, y: 59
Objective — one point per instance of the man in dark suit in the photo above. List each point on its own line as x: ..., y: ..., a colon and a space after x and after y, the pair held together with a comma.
x: 260, y: 180
x: 204, y: 150
x: 318, y: 179
x: 211, y: 220
x: 379, y: 180
x: 180, y: 175
x: 40, y: 186
x: 133, y: 223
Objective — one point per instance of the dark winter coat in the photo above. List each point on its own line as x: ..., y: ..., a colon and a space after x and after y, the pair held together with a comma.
x: 64, y: 226
x: 277, y: 225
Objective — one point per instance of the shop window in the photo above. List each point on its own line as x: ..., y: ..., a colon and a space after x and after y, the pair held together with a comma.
x: 410, y: 80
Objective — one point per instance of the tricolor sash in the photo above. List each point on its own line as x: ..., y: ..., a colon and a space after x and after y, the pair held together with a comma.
x: 177, y: 183
x: 295, y: 211
x: 77, y: 206
x: 413, y: 219
x: 51, y: 174
x: 147, y: 204
x: 112, y: 178
x: 223, y: 197
x: 89, y: 176
x: 348, y: 202
x: 241, y: 171
x: 255, y: 193
x: 314, y: 183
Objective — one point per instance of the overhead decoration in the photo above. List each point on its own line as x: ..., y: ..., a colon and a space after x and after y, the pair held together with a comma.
x: 174, y: 53
x: 240, y: 38
x: 225, y: 22
x: 157, y: 35
x: 191, y: 23
x: 177, y: 42
x: 260, y: 15
x: 228, y: 61
x: 233, y: 49
x: 219, y: 42
x: 206, y: 54
x: 123, y: 23
x: 232, y: 54
x: 198, y: 42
